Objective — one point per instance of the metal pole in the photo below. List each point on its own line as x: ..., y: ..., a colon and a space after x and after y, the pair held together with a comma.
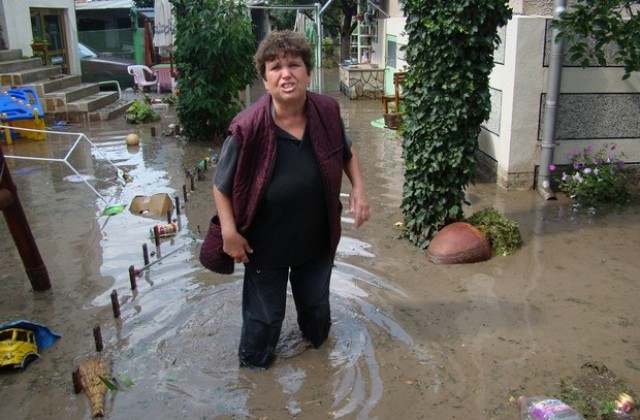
x: 21, y: 232
x: 551, y: 107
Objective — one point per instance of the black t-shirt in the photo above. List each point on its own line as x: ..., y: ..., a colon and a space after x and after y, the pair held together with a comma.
x: 291, y: 224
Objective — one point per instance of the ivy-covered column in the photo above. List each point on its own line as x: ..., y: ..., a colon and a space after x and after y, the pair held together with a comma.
x: 450, y: 57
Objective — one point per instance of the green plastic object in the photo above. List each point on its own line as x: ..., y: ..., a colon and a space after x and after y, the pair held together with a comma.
x: 114, y: 209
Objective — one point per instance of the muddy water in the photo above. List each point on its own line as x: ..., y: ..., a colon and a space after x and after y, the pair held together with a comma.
x: 410, y: 339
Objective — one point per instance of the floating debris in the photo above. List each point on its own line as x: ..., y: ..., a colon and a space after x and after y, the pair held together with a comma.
x: 93, y: 373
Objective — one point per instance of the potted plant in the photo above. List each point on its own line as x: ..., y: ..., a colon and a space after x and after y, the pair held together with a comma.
x: 39, y: 43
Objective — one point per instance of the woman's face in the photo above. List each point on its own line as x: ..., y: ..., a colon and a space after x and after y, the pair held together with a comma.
x: 286, y: 78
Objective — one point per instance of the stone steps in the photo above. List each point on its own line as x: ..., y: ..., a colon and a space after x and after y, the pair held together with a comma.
x: 62, y: 96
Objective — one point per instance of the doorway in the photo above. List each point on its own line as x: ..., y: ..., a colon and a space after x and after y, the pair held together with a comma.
x: 48, y: 25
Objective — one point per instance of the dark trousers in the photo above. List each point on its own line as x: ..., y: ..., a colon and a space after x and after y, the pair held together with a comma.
x: 264, y: 298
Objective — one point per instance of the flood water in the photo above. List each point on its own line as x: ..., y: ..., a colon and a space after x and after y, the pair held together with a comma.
x: 410, y: 339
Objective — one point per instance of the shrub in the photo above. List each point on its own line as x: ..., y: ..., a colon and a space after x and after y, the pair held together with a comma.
x: 503, y: 234
x: 141, y: 111
x: 594, y: 177
x: 214, y: 50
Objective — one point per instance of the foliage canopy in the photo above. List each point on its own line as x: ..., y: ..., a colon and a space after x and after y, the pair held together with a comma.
x: 214, y: 49
x: 593, y: 25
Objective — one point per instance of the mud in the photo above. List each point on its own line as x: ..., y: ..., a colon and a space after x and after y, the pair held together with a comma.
x: 410, y: 339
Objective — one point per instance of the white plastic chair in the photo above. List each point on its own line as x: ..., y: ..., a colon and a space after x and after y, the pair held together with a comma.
x: 139, y: 77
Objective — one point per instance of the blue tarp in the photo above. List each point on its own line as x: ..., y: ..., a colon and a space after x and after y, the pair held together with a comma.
x: 44, y: 336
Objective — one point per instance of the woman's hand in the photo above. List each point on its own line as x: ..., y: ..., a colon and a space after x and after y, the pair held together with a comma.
x: 237, y: 247
x: 359, y: 205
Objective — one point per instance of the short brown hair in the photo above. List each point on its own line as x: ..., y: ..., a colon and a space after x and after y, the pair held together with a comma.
x: 287, y: 42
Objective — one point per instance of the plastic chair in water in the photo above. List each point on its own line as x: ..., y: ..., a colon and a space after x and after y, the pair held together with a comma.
x: 165, y: 79
x: 140, y: 81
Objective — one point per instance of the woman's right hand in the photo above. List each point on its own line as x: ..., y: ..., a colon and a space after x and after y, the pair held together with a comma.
x: 237, y: 247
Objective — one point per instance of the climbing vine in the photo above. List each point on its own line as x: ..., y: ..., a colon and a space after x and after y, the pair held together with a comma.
x: 214, y: 50
x: 450, y: 56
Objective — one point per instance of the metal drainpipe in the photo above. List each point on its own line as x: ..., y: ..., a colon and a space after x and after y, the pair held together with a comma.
x: 551, y: 107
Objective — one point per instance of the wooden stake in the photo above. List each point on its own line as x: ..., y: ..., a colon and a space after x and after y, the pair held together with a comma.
x: 145, y: 254
x: 132, y: 277
x: 97, y: 337
x: 115, y: 304
x: 77, y: 380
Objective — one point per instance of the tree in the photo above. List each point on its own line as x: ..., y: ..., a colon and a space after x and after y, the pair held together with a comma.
x: 592, y: 25
x: 337, y: 20
x: 214, y: 50
x: 450, y: 54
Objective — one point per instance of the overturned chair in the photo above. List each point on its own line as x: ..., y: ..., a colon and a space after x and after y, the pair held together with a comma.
x: 394, y: 119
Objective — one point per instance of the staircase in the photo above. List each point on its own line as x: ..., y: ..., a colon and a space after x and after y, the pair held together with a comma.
x: 63, y: 97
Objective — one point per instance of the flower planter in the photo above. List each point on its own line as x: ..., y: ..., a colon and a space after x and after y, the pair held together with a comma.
x: 38, y: 47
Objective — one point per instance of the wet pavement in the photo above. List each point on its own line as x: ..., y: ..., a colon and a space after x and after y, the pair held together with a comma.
x: 409, y: 339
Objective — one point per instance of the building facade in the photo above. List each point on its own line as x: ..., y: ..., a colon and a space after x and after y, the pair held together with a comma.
x: 595, y: 106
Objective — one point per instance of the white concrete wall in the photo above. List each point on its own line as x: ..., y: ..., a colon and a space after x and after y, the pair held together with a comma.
x: 595, y: 106
x: 17, y: 26
x: 510, y: 135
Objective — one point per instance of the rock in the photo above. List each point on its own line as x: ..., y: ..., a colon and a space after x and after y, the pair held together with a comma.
x: 133, y: 139
x: 459, y: 243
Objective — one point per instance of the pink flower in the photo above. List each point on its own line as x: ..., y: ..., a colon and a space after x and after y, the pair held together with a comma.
x: 552, y: 167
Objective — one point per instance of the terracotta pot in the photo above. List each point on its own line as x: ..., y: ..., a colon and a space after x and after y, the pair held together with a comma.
x: 459, y: 243
x: 39, y: 47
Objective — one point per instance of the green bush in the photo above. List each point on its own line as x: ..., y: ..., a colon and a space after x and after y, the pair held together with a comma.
x: 214, y: 50
x: 141, y: 112
x: 503, y: 234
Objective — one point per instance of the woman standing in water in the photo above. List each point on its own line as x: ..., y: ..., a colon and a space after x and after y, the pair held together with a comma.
x: 277, y: 194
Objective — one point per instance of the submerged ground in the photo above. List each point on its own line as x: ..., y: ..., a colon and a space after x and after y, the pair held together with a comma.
x: 410, y: 339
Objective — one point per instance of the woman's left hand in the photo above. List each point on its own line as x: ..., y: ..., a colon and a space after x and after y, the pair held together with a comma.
x: 359, y: 205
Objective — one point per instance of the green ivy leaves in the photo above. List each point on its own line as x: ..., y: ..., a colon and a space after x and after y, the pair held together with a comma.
x: 450, y: 54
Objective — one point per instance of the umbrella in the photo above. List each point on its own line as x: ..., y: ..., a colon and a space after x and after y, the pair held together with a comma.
x: 163, y: 28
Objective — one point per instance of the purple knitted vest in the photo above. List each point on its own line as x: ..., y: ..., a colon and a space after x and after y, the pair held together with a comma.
x: 254, y: 130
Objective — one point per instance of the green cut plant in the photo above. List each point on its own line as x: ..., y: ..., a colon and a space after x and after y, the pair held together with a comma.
x: 170, y: 99
x: 450, y: 57
x: 502, y: 233
x: 594, y: 177
x: 214, y: 58
x: 141, y: 112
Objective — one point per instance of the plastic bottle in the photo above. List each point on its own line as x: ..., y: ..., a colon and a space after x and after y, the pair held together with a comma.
x: 546, y: 408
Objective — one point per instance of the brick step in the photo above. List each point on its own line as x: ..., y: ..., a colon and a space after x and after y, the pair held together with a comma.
x: 57, y: 101
x: 13, y: 66
x: 92, y: 102
x: 59, y: 82
x: 25, y: 77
